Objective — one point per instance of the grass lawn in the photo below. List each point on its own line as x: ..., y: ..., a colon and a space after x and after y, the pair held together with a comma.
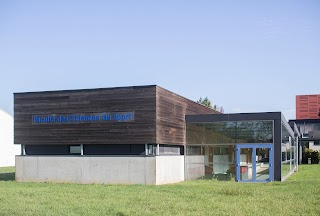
x: 299, y: 195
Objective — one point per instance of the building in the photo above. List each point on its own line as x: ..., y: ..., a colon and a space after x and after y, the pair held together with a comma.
x: 7, y: 149
x: 308, y: 120
x: 249, y: 147
x: 308, y: 106
x: 310, y: 132
x: 127, y: 135
x: 145, y: 135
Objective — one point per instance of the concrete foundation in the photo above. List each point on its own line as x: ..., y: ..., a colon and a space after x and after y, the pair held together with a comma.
x: 100, y: 170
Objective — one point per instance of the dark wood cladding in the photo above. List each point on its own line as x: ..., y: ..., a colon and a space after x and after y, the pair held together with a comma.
x: 159, y: 116
x: 141, y: 100
x: 171, y: 111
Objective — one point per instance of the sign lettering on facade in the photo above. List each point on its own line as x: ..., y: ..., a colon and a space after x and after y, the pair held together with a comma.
x: 83, y: 118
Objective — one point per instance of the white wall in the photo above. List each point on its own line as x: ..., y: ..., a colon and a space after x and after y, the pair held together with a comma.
x: 169, y: 169
x: 7, y: 149
x: 313, y: 147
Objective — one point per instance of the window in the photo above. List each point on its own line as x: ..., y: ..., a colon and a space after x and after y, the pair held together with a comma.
x: 174, y: 150
x: 151, y: 150
x: 193, y: 150
x: 75, y: 150
x: 288, y: 151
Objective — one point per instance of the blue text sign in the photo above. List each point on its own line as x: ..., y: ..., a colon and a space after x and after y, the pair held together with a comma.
x: 84, y: 118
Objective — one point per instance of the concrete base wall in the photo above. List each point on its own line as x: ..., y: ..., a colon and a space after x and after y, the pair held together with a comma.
x: 169, y: 169
x: 86, y: 170
x: 100, y: 170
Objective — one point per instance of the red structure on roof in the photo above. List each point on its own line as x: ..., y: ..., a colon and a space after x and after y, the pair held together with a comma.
x: 308, y: 106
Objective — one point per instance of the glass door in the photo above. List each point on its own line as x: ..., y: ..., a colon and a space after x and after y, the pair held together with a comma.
x: 254, y: 162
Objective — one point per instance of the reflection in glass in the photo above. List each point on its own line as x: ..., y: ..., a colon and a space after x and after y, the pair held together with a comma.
x: 262, y: 164
x: 230, y: 132
x: 210, y: 162
x: 245, y: 164
x: 285, y: 168
x: 306, y: 127
x: 288, y: 152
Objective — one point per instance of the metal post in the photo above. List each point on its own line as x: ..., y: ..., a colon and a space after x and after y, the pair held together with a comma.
x: 23, y: 150
x: 158, y: 150
x: 290, y: 143
x: 146, y: 149
x: 297, y: 153
x: 81, y: 146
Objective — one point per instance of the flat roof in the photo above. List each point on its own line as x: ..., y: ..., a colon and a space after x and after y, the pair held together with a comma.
x: 89, y: 89
x: 308, y: 95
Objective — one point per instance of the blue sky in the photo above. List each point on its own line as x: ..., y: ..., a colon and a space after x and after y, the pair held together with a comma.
x: 247, y: 56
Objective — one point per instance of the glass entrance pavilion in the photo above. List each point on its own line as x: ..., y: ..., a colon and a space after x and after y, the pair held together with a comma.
x: 246, y: 147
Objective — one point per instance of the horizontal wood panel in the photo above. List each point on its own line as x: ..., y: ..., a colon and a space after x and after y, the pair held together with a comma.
x: 159, y: 116
x: 171, y: 111
x: 140, y: 100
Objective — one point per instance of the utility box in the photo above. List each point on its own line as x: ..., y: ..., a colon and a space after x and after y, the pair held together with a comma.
x: 309, y: 160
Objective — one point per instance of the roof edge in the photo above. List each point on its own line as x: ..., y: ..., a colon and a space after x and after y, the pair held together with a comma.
x: 87, y: 89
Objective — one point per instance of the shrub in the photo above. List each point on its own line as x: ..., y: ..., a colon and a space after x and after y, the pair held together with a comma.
x: 309, y: 153
x: 315, y: 157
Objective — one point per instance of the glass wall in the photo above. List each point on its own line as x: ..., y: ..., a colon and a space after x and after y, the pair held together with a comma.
x: 210, y: 162
x: 246, y: 164
x: 306, y: 127
x: 288, y: 152
x: 230, y: 132
x: 211, y: 146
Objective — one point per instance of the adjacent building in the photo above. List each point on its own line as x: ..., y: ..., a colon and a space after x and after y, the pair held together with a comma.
x: 145, y: 135
x: 308, y: 120
x: 310, y: 132
x: 7, y: 149
x: 308, y: 106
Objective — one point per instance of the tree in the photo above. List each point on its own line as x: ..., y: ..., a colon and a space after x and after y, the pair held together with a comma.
x: 206, y: 102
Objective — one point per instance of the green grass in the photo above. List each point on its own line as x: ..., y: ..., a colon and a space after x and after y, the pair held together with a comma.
x: 299, y: 195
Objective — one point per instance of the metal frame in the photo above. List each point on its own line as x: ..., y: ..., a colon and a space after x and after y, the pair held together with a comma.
x: 254, y: 146
x: 277, y: 118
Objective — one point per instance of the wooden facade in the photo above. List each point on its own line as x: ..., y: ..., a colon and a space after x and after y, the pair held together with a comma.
x: 159, y: 116
x: 171, y: 111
